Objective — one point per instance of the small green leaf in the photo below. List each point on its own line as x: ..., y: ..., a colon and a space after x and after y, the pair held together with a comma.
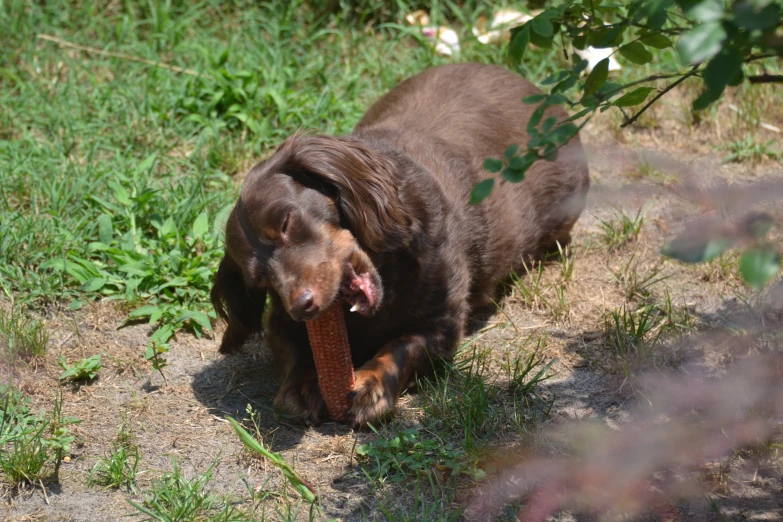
x: 704, y: 11
x: 143, y: 311
x: 219, y: 225
x: 481, y: 191
x: 759, y: 264
x: 519, y: 41
x: 656, y: 40
x: 542, y: 27
x: 535, y: 119
x: 201, y: 226
x: 121, y: 194
x: 722, y: 69
x: 493, y: 165
x: 746, y: 16
x: 692, y: 248
x: 146, y: 165
x: 634, y: 97
x: 548, y: 124
x: 705, y: 99
x: 510, y: 152
x: 94, y: 284
x: 635, y: 52
x: 162, y: 334
x: 105, y: 231
x: 513, y: 176
x: 597, y: 77
x: 533, y: 99
x: 701, y: 43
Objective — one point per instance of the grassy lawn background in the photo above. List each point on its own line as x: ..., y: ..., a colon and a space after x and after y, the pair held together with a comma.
x: 115, y: 179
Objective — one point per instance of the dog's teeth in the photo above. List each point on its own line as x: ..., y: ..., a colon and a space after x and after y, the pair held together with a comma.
x: 355, y: 307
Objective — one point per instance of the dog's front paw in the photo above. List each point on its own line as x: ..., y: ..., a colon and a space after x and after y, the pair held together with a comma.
x: 299, y: 399
x: 371, y: 398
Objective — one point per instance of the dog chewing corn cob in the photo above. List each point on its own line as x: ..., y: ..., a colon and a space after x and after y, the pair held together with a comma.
x: 332, y: 355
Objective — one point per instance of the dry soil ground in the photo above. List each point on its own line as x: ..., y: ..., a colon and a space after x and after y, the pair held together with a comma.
x: 186, y: 417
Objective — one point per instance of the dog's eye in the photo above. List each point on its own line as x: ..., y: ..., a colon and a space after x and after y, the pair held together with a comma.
x: 285, y: 225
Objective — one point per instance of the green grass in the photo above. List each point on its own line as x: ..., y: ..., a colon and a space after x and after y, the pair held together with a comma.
x: 118, y: 174
x: 620, y: 230
x: 175, y: 497
x: 22, y: 338
x: 32, y: 445
x: 119, y: 466
x: 468, y: 402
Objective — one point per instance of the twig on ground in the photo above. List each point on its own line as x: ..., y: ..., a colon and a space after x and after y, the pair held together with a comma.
x: 121, y: 56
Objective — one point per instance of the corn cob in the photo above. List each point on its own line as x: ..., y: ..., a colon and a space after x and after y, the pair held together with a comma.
x: 332, y: 355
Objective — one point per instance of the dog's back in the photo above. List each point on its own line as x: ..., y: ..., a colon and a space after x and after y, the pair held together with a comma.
x: 450, y: 119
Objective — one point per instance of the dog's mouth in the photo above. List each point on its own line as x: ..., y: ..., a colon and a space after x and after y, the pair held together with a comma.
x: 359, y: 291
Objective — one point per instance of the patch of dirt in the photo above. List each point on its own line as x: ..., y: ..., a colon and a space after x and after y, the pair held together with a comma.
x: 186, y: 418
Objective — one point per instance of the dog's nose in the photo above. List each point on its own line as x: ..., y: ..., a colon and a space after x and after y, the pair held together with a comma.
x: 303, y: 304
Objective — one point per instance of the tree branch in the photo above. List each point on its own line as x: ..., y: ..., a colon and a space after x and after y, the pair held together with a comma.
x: 121, y: 56
x: 766, y: 78
x: 658, y: 96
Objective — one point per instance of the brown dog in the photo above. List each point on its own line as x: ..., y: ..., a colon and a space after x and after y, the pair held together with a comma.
x: 380, y: 221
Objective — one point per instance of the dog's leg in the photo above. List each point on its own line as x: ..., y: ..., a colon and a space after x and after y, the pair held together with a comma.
x: 299, y: 398
x: 381, y: 380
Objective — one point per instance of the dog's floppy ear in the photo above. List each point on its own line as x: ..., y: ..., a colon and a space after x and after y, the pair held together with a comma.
x: 365, y: 183
x: 241, y: 306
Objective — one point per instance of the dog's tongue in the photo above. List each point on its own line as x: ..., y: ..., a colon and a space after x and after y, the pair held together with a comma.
x: 362, y: 293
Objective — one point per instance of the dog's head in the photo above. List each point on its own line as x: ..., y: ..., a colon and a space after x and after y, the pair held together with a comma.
x: 307, y: 220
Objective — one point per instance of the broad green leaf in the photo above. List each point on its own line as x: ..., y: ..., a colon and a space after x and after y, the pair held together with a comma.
x: 634, y: 97
x: 533, y: 99
x: 105, y: 231
x: 548, y: 124
x: 759, y: 264
x: 513, y: 176
x: 636, y: 53
x: 156, y: 315
x: 542, y: 27
x: 201, y: 226
x: 690, y: 248
x: 722, y: 69
x: 493, y: 165
x: 195, y: 316
x: 597, y: 77
x: 143, y: 311
x: 298, y: 483
x: 481, y: 191
x: 701, y: 43
x: 146, y: 165
x: 565, y: 84
x: 656, y: 40
x: 612, y: 37
x: 704, y: 11
x: 162, y: 334
x: 219, y: 225
x: 94, y: 284
x: 705, y: 99
x: 556, y: 99
x: 121, y: 194
x: 581, y: 113
x: 535, y: 119
x: 749, y: 17
x: 564, y: 132
x: 519, y: 41
x: 544, y: 42
x: 555, y: 77
x: 510, y: 152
